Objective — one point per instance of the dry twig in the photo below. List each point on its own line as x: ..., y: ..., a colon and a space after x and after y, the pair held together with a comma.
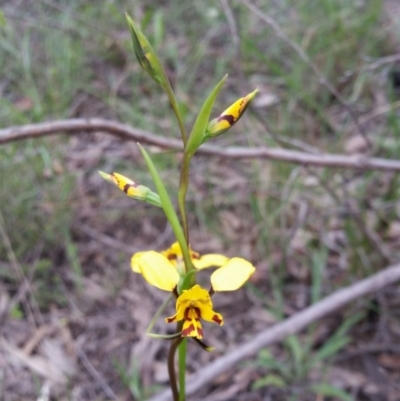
x: 293, y: 325
x: 81, y: 125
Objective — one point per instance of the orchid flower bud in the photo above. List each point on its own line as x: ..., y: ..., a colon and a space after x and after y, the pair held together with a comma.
x: 133, y: 190
x: 229, y: 117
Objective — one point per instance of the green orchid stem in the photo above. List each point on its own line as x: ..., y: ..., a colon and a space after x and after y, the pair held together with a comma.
x: 171, y: 368
x: 183, y: 187
x: 175, y: 107
x: 182, y: 369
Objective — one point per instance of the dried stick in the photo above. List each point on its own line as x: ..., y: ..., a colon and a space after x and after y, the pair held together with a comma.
x: 81, y: 125
x: 292, y: 325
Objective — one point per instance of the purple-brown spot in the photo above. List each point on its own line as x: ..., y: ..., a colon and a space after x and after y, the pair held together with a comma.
x: 217, y: 319
x: 187, y: 331
x: 200, y: 331
x: 229, y: 118
x: 127, y: 186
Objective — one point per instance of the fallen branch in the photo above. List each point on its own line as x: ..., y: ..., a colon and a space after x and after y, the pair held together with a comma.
x: 292, y: 325
x: 81, y: 125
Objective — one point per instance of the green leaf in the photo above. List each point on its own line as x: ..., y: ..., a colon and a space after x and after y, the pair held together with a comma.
x: 267, y: 361
x: 167, y: 206
x: 348, y: 324
x: 3, y: 20
x: 187, y: 281
x: 164, y: 336
x: 295, y: 347
x: 337, y: 340
x: 270, y: 380
x: 201, y: 123
x: 317, y: 271
x: 332, y: 347
x: 331, y: 391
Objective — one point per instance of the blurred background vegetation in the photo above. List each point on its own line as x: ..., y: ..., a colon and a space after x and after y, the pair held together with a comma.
x: 309, y: 231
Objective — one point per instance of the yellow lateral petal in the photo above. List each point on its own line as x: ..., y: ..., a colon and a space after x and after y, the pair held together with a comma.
x: 208, y: 314
x: 134, y: 262
x: 157, y: 270
x: 179, y: 315
x: 210, y: 260
x: 232, y: 275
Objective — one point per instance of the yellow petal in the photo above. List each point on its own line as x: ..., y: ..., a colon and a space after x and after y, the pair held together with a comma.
x: 199, y: 298
x: 210, y: 260
x: 156, y: 270
x: 208, y: 314
x: 179, y: 315
x: 175, y: 256
x: 194, y: 295
x: 134, y: 262
x: 232, y: 275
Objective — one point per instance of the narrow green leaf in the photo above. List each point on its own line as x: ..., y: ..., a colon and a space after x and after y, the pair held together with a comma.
x: 331, y: 348
x: 201, y: 123
x: 187, y: 281
x: 167, y: 206
x: 295, y: 347
x: 270, y: 380
x: 164, y: 336
x: 157, y: 315
x: 331, y: 391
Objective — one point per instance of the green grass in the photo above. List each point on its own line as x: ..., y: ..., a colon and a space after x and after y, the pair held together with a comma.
x: 74, y: 59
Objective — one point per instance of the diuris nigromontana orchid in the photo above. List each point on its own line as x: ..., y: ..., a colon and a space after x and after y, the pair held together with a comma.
x: 164, y: 270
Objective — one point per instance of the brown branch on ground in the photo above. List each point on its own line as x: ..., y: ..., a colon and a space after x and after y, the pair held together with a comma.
x: 80, y: 125
x: 292, y: 325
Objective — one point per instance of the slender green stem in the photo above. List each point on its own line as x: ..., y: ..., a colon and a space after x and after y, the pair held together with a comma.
x: 183, y: 187
x: 182, y: 369
x: 175, y: 107
x: 171, y: 368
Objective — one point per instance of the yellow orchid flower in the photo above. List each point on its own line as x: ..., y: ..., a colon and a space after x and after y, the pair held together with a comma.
x: 229, y: 117
x: 133, y: 190
x: 192, y: 305
x: 164, y: 270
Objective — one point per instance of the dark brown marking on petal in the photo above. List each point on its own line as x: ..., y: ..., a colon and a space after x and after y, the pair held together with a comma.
x: 186, y: 315
x: 229, y: 118
x: 198, y: 314
x: 171, y: 256
x: 187, y: 331
x: 126, y: 188
x: 170, y: 319
x: 217, y: 319
x: 195, y: 255
x: 200, y: 331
